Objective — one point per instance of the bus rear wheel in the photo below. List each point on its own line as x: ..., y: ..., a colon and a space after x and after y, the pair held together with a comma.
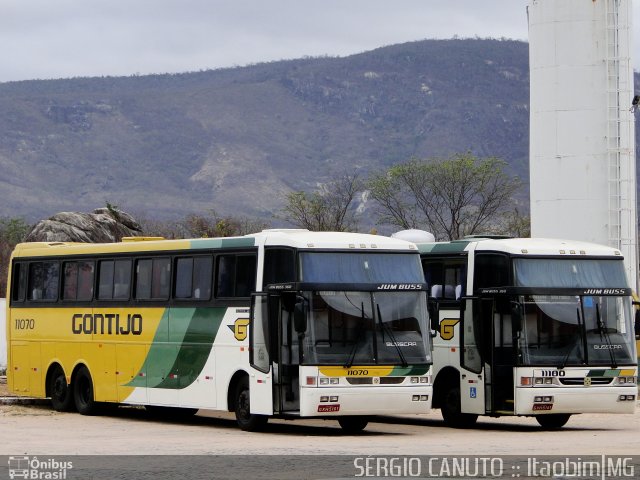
x: 59, y: 391
x: 553, y: 421
x: 246, y: 420
x: 353, y: 424
x: 451, y: 409
x: 83, y: 392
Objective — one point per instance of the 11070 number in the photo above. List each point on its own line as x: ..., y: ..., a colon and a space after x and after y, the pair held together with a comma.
x: 25, y: 323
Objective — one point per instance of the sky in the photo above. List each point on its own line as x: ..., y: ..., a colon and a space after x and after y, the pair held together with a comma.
x: 42, y: 39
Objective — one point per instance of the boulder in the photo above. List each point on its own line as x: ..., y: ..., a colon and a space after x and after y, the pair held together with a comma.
x: 104, y: 225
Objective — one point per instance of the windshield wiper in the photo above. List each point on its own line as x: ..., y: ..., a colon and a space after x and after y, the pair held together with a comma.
x: 393, y: 339
x: 575, y: 342
x: 354, y: 349
x: 604, y: 332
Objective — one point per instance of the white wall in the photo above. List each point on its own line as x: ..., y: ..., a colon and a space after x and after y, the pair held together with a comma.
x: 3, y: 334
x: 582, y: 144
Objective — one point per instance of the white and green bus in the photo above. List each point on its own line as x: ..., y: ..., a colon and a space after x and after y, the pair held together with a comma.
x: 530, y: 327
x: 284, y: 323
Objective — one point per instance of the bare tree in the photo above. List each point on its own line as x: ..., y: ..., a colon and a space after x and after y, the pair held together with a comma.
x: 516, y: 224
x: 210, y: 224
x: 330, y: 208
x: 215, y: 225
x: 453, y: 197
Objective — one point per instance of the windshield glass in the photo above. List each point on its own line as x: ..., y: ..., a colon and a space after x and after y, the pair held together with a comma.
x: 576, y: 330
x: 366, y: 328
x: 569, y: 273
x: 360, y: 267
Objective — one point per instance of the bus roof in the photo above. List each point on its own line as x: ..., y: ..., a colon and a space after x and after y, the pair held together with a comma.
x: 521, y: 246
x: 297, y: 238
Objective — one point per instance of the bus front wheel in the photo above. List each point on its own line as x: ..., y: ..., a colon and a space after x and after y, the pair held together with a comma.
x: 247, y: 421
x: 451, y: 409
x: 553, y: 421
x: 83, y: 392
x: 59, y: 391
x: 353, y: 424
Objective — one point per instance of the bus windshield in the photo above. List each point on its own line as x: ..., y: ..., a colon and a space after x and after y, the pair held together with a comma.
x: 569, y: 273
x: 366, y: 328
x: 576, y: 330
x: 360, y: 267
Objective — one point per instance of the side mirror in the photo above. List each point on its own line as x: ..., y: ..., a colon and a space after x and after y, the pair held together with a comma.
x: 516, y: 316
x: 434, y: 314
x: 299, y: 317
x: 637, y: 323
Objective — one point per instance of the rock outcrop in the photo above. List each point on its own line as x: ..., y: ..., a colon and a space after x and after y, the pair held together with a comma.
x: 103, y: 225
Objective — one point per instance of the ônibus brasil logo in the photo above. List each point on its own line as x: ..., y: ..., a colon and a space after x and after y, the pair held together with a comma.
x: 34, y: 468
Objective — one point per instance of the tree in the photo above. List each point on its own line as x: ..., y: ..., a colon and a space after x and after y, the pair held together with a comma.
x: 330, y: 208
x: 516, y: 224
x: 215, y: 225
x: 453, y: 197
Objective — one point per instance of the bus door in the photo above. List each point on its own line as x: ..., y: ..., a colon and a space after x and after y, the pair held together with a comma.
x: 500, y: 355
x: 275, y: 353
x: 473, y: 373
x: 288, y: 352
x: 260, y: 379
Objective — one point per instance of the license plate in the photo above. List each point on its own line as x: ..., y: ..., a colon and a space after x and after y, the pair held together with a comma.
x: 328, y: 408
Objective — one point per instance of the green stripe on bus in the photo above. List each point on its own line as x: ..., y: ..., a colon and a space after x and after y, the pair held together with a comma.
x: 176, y: 361
x: 222, y: 242
x: 603, y: 373
x: 405, y: 371
x: 449, y: 247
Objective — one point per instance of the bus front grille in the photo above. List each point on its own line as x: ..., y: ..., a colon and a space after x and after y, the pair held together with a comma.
x: 590, y: 381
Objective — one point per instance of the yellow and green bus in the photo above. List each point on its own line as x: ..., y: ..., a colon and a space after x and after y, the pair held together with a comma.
x: 282, y: 323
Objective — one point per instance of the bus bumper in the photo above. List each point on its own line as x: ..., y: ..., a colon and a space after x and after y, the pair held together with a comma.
x: 540, y: 401
x: 329, y: 402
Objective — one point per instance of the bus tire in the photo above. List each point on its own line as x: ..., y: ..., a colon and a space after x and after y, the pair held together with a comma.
x: 553, y: 421
x: 60, y: 392
x: 83, y: 392
x: 246, y: 420
x: 353, y: 424
x: 451, y: 408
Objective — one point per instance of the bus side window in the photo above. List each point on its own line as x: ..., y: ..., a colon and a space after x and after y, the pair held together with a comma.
x: 19, y: 283
x: 77, y: 281
x: 193, y: 277
x: 491, y: 270
x: 43, y: 281
x: 153, y: 277
x: 114, y: 279
x: 143, y: 279
x: 121, y: 279
x: 161, y: 283
x: 105, y: 283
x: 446, y: 277
x: 279, y: 266
x: 235, y: 275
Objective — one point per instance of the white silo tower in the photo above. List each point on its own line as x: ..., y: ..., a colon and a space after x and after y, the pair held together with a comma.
x: 582, y: 144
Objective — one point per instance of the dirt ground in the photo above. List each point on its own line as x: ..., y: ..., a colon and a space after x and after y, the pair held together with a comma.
x: 26, y: 431
x: 128, y: 430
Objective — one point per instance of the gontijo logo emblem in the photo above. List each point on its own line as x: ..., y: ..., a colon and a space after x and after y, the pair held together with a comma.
x: 447, y: 329
x: 240, y: 328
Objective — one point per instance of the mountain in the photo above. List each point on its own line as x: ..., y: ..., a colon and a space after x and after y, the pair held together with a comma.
x: 238, y: 139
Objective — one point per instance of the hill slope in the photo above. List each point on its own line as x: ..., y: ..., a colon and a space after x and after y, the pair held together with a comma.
x: 237, y: 139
